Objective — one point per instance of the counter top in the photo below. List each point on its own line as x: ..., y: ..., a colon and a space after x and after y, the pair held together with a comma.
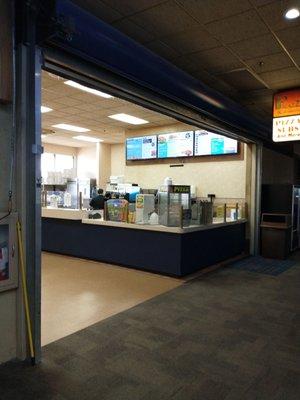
x: 159, y: 228
x: 64, y: 213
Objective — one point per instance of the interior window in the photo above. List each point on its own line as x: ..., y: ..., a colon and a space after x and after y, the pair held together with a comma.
x: 63, y: 161
x: 47, y: 164
x: 51, y: 162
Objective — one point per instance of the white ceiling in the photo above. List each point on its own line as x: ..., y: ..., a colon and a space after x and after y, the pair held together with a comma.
x: 76, y: 107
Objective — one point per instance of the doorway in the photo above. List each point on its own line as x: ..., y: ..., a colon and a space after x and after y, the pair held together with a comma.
x: 116, y: 151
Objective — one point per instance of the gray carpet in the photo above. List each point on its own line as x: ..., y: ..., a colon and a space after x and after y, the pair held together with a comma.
x: 230, y: 335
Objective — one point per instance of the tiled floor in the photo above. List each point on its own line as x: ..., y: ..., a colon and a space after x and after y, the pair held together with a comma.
x: 77, y: 293
x: 231, y: 335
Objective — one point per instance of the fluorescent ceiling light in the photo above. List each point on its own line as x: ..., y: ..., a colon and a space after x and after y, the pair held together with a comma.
x: 87, y: 89
x: 72, y: 128
x: 87, y: 139
x: 129, y: 119
x: 45, y: 109
x: 292, y: 13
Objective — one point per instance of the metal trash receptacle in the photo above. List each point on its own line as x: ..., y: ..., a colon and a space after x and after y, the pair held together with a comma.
x: 275, y: 235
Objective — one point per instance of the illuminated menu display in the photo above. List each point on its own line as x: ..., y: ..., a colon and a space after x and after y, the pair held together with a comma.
x: 141, y: 148
x: 209, y: 144
x: 177, y: 144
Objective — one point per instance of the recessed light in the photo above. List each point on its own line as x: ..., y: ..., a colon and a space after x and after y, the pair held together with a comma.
x: 72, y: 128
x: 87, y: 139
x: 87, y: 89
x: 45, y: 109
x: 129, y: 119
x: 292, y: 13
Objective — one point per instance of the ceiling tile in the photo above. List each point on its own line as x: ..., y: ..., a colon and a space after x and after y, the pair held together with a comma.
x: 133, y: 30
x: 239, y: 27
x: 290, y: 37
x: 68, y: 110
x: 262, y: 95
x: 215, y: 60
x: 213, y: 10
x: 49, y: 95
x: 270, y: 63
x: 67, y: 101
x: 259, y: 3
x: 242, y: 80
x: 185, y: 63
x: 89, y: 107
x: 203, y: 76
x: 162, y: 49
x: 99, y: 9
x: 285, y: 74
x: 89, y: 113
x: 273, y: 14
x: 128, y: 7
x: 225, y: 88
x: 165, y: 19
x: 256, y: 47
x: 46, y: 84
x: 286, y: 84
x: 296, y: 55
x: 191, y: 40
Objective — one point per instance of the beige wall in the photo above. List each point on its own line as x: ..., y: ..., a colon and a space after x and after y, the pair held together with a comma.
x: 104, y: 157
x: 224, y: 179
x: 87, y: 162
x: 57, y: 149
x: 118, y: 161
x: 277, y: 168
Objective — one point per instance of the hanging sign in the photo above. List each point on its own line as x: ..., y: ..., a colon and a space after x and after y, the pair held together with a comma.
x: 286, y: 116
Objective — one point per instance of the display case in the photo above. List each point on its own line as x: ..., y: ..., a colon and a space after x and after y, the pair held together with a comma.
x: 116, y: 210
x: 174, y: 205
x: 175, y: 208
x: 229, y: 210
x: 8, y: 252
x: 74, y: 194
x: 202, y: 212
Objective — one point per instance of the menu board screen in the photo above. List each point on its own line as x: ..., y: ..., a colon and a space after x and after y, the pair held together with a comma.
x: 177, y: 144
x: 141, y: 148
x: 210, y: 144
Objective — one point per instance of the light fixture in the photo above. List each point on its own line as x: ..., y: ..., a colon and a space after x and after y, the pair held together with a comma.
x: 87, y: 89
x: 87, y: 139
x: 292, y: 13
x: 72, y: 128
x: 43, y: 136
x: 45, y: 109
x: 129, y: 119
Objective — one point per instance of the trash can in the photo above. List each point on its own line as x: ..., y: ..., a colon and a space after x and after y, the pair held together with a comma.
x: 275, y: 235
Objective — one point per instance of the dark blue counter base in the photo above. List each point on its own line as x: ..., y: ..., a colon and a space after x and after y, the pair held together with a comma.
x: 162, y: 252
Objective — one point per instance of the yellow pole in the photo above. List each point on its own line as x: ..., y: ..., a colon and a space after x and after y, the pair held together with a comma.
x: 25, y: 292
